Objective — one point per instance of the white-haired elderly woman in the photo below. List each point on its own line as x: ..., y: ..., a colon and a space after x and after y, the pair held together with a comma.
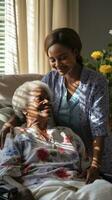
x: 44, y: 158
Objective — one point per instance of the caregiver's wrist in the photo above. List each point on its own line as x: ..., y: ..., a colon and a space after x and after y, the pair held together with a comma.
x: 96, y: 164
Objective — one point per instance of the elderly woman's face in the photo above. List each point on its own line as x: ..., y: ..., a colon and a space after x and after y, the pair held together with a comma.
x: 39, y: 103
x: 61, y: 58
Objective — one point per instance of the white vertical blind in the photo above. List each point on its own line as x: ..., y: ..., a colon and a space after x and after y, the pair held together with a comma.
x: 11, y: 40
x: 2, y: 36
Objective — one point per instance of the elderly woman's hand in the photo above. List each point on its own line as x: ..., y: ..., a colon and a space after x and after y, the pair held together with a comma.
x: 5, y: 129
x: 8, y: 127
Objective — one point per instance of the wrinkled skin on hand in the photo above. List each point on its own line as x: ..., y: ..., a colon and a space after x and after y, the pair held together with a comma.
x: 5, y: 129
x: 8, y: 127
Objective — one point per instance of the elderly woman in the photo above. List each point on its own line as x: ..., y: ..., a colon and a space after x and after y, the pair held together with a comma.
x: 44, y: 158
x: 40, y: 152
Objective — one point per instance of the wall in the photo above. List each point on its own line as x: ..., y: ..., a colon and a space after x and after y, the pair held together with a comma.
x: 95, y: 21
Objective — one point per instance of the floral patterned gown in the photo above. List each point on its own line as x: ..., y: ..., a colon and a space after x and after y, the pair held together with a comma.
x: 34, y: 158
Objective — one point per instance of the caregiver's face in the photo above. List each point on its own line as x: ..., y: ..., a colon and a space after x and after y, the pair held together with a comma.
x: 61, y: 58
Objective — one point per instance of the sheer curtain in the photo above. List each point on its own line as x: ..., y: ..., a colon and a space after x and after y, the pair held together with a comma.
x: 30, y: 21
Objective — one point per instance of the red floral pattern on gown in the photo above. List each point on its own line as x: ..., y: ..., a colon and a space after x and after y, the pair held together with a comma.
x: 42, y: 154
x: 62, y: 173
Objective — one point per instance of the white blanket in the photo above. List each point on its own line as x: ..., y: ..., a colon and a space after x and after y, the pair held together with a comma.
x: 67, y: 190
x: 53, y: 189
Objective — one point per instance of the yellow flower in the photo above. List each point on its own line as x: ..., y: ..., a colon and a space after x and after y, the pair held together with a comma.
x: 110, y: 58
x: 105, y: 69
x: 96, y: 55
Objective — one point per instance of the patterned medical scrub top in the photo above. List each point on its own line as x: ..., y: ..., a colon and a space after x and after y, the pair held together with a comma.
x: 91, y: 112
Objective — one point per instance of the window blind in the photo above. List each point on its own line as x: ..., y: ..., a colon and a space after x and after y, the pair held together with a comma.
x: 2, y: 36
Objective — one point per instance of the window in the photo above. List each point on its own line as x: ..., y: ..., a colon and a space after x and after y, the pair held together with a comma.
x: 2, y: 36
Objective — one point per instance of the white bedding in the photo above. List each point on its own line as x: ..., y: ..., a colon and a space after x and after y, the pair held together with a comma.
x: 67, y: 190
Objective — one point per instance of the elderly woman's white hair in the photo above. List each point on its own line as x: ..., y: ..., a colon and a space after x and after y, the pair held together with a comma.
x: 21, y: 95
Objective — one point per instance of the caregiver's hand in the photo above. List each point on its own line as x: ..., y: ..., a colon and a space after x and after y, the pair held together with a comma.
x: 92, y: 174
